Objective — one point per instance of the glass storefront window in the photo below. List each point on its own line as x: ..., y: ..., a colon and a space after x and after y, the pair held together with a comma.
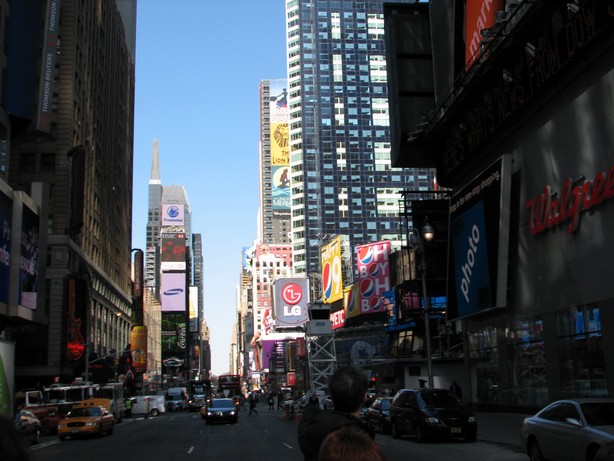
x: 581, y: 356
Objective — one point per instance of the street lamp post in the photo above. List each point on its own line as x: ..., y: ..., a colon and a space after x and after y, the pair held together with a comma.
x: 428, y: 233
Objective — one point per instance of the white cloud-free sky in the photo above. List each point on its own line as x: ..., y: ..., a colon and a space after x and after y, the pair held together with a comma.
x: 198, y: 67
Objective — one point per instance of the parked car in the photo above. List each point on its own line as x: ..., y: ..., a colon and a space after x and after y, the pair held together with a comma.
x: 378, y: 415
x: 431, y: 414
x: 571, y: 429
x: 86, y: 420
x: 220, y: 410
x: 28, y: 426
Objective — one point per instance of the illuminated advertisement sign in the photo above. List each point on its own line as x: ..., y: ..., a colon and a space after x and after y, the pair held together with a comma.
x: 480, y: 15
x: 6, y: 221
x: 173, y: 291
x: 173, y: 337
x: 281, y: 187
x: 173, y: 215
x: 138, y: 348
x: 28, y: 267
x: 193, y: 308
x: 479, y: 240
x: 373, y: 264
x: 290, y: 301
x: 173, y: 251
x: 350, y: 302
x: 338, y: 318
x: 332, y: 283
x: 279, y: 117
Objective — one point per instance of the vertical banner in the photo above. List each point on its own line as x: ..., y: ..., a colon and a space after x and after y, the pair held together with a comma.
x: 138, y: 348
x: 6, y: 221
x: 373, y: 266
x: 332, y: 279
x: 30, y: 244
x: 47, y: 71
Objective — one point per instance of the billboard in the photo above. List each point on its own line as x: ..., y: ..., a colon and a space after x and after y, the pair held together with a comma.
x: 6, y: 221
x: 29, y: 254
x: 173, y: 293
x: 193, y: 308
x: 480, y: 15
x: 173, y: 215
x: 173, y: 251
x: 7, y: 378
x: 350, y: 302
x: 290, y: 301
x: 281, y: 187
x: 279, y: 117
x: 373, y: 264
x: 331, y: 270
x: 138, y: 348
x: 479, y: 242
x: 173, y: 337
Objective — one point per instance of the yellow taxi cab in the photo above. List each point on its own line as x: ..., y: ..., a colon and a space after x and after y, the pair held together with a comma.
x: 90, y: 417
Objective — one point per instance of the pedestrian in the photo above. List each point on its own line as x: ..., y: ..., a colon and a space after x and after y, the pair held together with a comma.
x: 350, y: 443
x: 348, y: 389
x: 271, y: 402
x: 251, y: 403
x: 128, y: 407
x: 422, y: 383
x: 314, y: 400
x: 456, y: 390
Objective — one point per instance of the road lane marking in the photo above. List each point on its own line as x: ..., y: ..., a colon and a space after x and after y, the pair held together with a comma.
x: 190, y: 450
x: 288, y: 446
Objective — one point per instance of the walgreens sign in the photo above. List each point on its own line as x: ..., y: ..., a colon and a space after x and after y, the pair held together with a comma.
x: 548, y: 209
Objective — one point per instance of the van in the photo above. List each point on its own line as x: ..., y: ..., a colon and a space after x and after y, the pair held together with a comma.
x: 156, y: 404
x: 177, y: 398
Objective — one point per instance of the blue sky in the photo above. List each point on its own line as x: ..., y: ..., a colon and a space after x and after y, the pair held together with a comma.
x: 198, y: 67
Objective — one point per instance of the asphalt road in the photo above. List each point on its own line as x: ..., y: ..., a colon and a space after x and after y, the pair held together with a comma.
x: 267, y: 436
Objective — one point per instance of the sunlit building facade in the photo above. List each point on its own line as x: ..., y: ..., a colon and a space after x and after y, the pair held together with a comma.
x: 342, y: 182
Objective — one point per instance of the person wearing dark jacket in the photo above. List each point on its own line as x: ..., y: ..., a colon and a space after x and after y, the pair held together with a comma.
x: 348, y: 389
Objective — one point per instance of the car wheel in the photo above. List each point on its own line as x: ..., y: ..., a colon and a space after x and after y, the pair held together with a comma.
x: 385, y: 428
x: 37, y: 436
x: 535, y: 453
x: 154, y: 412
x: 420, y: 436
x: 395, y: 431
x: 471, y: 437
x: 62, y: 437
x: 110, y: 431
x: 100, y: 431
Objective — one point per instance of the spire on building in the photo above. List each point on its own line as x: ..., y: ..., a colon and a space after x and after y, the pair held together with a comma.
x: 155, y: 164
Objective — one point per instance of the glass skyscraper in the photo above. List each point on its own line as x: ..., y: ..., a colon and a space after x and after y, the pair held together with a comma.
x: 342, y: 181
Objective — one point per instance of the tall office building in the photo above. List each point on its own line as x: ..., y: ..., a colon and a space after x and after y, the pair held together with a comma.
x: 342, y: 181
x: 153, y: 221
x: 69, y: 89
x: 274, y: 163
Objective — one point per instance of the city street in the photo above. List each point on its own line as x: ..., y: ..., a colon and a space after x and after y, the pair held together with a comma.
x: 267, y: 436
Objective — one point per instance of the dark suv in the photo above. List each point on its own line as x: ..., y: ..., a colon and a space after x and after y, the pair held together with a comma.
x: 431, y: 413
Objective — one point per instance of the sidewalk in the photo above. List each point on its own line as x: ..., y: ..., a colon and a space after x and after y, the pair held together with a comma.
x: 500, y: 427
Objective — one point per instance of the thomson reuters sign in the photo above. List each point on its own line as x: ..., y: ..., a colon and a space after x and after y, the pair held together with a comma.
x: 290, y: 301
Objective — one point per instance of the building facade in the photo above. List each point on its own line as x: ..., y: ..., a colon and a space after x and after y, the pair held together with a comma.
x: 523, y: 136
x: 342, y: 182
x: 71, y: 129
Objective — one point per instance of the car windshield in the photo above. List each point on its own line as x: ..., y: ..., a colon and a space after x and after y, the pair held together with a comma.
x: 598, y: 414
x: 79, y: 412
x: 222, y: 403
x: 438, y: 397
x: 386, y: 404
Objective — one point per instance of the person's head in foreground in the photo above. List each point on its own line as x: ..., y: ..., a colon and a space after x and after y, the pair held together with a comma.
x: 350, y: 443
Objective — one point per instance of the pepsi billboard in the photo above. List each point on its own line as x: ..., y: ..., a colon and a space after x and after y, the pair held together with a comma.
x: 373, y: 265
x: 332, y: 279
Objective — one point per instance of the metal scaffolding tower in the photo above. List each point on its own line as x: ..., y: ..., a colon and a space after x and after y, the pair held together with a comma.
x: 320, y: 341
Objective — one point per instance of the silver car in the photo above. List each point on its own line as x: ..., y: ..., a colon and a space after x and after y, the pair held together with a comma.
x: 569, y: 430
